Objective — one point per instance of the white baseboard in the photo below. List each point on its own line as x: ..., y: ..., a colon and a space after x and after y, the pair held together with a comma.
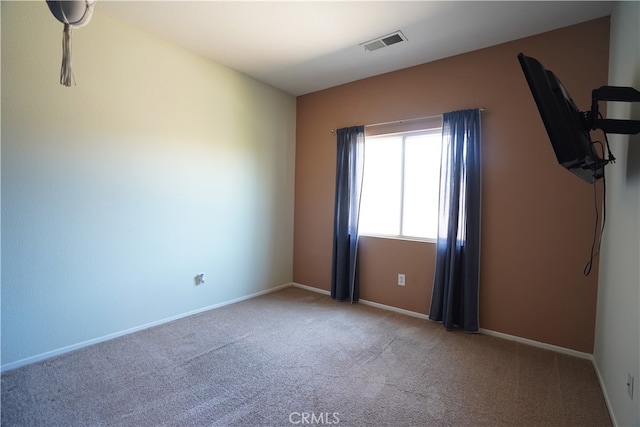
x: 365, y: 302
x: 604, y: 392
x: 538, y: 344
x: 394, y: 309
x: 310, y: 288
x: 59, y: 351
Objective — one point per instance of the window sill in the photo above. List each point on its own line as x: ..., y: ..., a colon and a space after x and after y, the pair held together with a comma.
x: 407, y: 238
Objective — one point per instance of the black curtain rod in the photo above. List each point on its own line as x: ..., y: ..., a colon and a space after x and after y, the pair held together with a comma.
x: 482, y: 110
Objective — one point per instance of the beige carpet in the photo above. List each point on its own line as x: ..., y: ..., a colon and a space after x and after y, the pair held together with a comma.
x: 294, y: 356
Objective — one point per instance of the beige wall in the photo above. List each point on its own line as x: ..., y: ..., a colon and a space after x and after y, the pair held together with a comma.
x: 617, y: 339
x: 157, y: 166
x: 537, y: 218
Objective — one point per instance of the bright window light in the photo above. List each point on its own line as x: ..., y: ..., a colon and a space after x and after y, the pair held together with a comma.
x: 400, y: 187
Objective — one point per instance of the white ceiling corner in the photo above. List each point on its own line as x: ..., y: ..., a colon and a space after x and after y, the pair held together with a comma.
x: 305, y: 46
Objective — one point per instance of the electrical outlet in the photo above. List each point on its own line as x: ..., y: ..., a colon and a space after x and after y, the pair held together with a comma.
x: 401, y: 279
x: 199, y: 279
x: 630, y: 386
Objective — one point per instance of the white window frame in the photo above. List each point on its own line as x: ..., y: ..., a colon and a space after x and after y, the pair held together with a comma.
x: 401, y: 236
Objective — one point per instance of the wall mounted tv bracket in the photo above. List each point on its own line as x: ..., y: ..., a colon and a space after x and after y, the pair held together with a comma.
x: 613, y: 93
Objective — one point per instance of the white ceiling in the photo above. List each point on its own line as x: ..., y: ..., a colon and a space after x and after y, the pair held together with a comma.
x: 305, y: 46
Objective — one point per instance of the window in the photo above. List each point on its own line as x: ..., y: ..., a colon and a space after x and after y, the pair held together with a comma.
x: 401, y: 185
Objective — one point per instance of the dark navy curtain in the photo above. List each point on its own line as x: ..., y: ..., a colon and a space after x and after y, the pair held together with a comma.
x: 349, y: 172
x: 454, y: 300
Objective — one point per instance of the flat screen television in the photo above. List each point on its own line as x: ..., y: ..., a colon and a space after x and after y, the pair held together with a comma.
x: 567, y: 126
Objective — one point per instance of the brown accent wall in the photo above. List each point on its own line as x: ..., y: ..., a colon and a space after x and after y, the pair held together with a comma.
x: 537, y: 218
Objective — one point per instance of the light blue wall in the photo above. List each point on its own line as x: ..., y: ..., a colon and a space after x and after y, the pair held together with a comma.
x: 617, y: 338
x: 157, y: 166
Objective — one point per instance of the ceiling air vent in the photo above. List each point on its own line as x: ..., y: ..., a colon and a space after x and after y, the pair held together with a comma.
x: 384, y: 41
